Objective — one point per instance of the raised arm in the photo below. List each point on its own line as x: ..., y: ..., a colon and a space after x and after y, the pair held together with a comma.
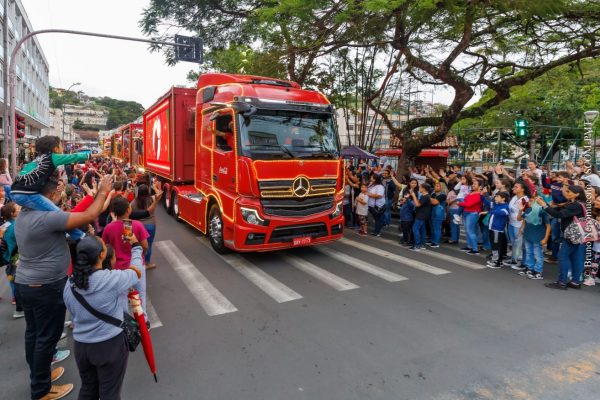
x: 78, y: 219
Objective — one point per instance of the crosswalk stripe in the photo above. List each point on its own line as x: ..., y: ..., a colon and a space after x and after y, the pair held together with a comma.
x: 440, y: 256
x: 155, y: 321
x: 210, y: 298
x: 336, y: 282
x: 265, y: 282
x: 461, y: 233
x: 395, y: 257
x: 362, y: 265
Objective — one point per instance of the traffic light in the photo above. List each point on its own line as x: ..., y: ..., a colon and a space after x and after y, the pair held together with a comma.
x: 521, y: 126
x: 19, y: 126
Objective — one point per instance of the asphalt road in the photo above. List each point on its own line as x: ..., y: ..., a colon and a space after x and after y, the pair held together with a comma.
x: 358, y: 319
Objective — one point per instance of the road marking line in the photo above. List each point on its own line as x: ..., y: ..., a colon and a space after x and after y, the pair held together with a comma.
x: 155, y: 321
x: 440, y: 256
x: 336, y: 282
x: 395, y: 257
x: 362, y: 265
x: 265, y: 282
x: 209, y: 297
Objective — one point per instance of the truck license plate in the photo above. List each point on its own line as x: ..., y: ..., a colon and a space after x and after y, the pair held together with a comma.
x: 301, y: 241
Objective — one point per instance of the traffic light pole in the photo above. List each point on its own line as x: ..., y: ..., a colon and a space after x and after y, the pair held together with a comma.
x: 9, y: 117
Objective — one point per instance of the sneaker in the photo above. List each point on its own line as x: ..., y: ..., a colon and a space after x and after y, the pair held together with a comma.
x: 434, y: 246
x: 60, y: 355
x: 525, y: 272
x: 508, y: 263
x: 56, y: 373
x: 150, y: 266
x: 518, y: 267
x: 535, y: 276
x: 473, y: 252
x: 415, y: 248
x: 573, y: 285
x: 493, y: 265
x: 589, y: 281
x: 456, y: 219
x: 429, y: 243
x: 551, y: 260
x: 556, y: 285
x: 63, y: 335
x: 58, y: 392
x: 465, y: 249
x: 18, y: 314
x: 489, y: 256
x: 69, y: 324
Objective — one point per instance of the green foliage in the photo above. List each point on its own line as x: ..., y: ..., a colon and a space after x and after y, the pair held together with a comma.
x: 78, y: 124
x: 57, y: 101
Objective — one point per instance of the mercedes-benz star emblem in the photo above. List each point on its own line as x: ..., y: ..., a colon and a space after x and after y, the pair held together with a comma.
x: 300, y: 187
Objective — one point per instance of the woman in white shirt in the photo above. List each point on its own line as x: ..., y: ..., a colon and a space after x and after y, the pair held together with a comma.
x: 514, y: 225
x: 376, y: 193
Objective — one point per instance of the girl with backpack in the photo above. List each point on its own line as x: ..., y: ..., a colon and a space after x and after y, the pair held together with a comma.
x: 571, y: 256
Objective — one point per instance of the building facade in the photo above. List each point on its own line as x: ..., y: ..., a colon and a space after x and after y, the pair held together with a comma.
x: 32, y: 82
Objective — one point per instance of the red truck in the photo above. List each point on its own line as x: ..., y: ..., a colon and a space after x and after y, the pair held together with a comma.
x: 252, y: 162
x: 131, y: 147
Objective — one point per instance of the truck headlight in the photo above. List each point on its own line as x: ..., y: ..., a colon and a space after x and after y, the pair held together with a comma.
x: 338, y: 210
x: 251, y: 216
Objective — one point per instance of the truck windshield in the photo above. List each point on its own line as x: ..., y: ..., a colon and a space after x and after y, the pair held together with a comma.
x: 272, y: 134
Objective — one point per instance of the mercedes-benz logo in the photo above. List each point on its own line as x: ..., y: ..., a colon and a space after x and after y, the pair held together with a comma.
x: 301, y: 186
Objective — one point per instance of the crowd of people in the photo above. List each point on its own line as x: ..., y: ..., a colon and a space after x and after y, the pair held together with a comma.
x: 519, y: 216
x: 76, y: 234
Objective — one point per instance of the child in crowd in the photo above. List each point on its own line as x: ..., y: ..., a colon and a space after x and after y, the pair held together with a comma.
x: 463, y: 188
x: 28, y: 184
x: 497, y: 228
x: 362, y: 209
x: 536, y: 232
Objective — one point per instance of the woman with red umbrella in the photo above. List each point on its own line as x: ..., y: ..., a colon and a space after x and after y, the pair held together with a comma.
x: 101, y: 352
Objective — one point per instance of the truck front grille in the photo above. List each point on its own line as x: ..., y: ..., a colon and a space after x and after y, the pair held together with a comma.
x: 292, y: 207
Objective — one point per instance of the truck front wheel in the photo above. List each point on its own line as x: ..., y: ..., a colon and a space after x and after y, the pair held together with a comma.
x: 215, y: 230
x: 169, y: 201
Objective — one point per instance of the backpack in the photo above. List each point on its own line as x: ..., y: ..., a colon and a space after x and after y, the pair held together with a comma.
x: 581, y: 231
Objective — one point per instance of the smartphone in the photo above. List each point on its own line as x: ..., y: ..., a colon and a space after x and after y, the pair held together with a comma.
x: 127, y: 228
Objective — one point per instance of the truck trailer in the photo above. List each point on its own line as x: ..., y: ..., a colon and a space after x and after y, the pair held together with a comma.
x: 252, y: 162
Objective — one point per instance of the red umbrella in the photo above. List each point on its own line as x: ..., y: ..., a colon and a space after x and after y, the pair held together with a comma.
x: 138, y: 314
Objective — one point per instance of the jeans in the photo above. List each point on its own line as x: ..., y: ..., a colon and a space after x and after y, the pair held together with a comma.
x: 555, y: 242
x: 42, y: 203
x: 454, y: 228
x: 7, y: 189
x: 407, y: 234
x: 44, y: 321
x: 419, y: 232
x: 470, y: 221
x: 151, y: 228
x: 498, y: 242
x: 436, y: 230
x: 347, y: 214
x: 517, y: 242
x: 534, y: 256
x: 378, y: 220
x: 570, y: 258
x: 102, y: 368
x: 387, y: 215
x: 485, y: 236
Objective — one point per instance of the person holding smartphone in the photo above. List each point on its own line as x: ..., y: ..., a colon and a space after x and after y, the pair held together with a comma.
x: 519, y: 200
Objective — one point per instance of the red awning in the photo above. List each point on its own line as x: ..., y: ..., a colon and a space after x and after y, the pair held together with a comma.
x: 424, y: 153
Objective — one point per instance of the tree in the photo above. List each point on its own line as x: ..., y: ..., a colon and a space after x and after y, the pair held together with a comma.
x: 469, y: 46
x: 78, y: 124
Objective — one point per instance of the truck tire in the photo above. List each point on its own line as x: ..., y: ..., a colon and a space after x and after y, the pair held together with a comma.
x: 175, y: 207
x: 169, y: 201
x: 215, y: 230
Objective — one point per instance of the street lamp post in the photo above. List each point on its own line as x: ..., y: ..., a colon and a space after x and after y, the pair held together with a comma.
x: 63, y: 110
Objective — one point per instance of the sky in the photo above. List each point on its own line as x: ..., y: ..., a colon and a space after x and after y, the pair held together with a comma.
x: 113, y: 68
x: 104, y: 67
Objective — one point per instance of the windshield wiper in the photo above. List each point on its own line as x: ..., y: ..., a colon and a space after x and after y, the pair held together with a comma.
x: 279, y: 146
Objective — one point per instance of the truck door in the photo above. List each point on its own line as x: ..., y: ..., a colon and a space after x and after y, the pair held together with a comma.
x: 224, y: 157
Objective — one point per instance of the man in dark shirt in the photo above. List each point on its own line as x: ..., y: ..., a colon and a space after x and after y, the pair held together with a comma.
x: 422, y: 215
